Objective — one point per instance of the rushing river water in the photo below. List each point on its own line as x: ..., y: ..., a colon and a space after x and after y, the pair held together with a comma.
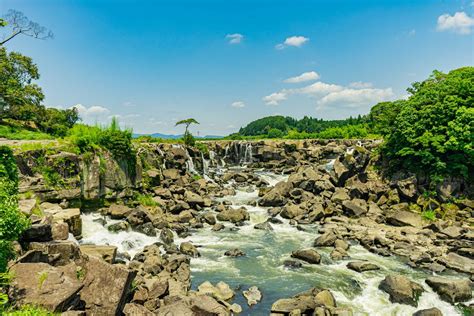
x: 263, y: 264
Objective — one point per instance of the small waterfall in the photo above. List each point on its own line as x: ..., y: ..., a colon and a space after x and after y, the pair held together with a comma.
x: 248, y: 156
x: 205, y: 165
x: 330, y: 165
x: 350, y: 150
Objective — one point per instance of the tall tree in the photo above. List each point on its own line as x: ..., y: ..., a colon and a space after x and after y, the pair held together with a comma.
x: 21, y: 25
x: 187, y: 122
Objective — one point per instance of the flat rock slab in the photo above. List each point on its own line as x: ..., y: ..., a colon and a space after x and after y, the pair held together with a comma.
x: 107, y: 253
x: 54, y: 288
x: 362, y: 266
x: 450, y: 290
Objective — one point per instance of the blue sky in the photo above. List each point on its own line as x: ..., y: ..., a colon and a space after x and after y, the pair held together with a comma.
x: 226, y: 63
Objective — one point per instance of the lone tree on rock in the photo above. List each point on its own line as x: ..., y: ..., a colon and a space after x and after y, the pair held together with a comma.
x: 187, y: 137
x: 20, y: 24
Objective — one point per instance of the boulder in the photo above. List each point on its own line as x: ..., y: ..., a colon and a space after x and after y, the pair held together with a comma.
x: 325, y: 240
x: 292, y: 211
x: 325, y: 298
x: 132, y: 309
x: 305, y: 305
x: 27, y: 206
x: 234, y: 253
x: 339, y: 196
x: 253, y: 295
x: 263, y: 226
x: 60, y: 230
x: 110, y: 299
x: 189, y: 249
x: 38, y: 232
x: 234, y: 215
x: 457, y: 262
x: 362, y: 266
x: 71, y: 216
x: 106, y: 253
x: 404, y: 218
x: 450, y: 290
x: 117, y: 211
x: 355, y: 207
x: 342, y: 244
x: 308, y: 255
x: 171, y: 174
x: 147, y: 229
x: 292, y: 264
x: 39, y: 284
x: 277, y: 196
x: 401, y: 289
x: 166, y: 235
x: 209, y: 218
x: 193, y: 199
x: 60, y: 252
x: 428, y: 312
x: 220, y: 291
x: 338, y: 254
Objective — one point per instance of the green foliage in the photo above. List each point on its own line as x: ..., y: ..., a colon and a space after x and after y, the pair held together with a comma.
x: 15, y: 132
x: 429, y: 215
x: 146, y: 200
x: 189, y: 139
x: 382, y: 116
x: 202, y: 147
x: 434, y: 130
x: 28, y: 310
x: 12, y: 221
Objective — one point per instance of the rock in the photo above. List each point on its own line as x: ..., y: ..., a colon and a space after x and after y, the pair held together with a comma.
x: 171, y: 174
x: 362, y: 266
x: 253, y: 295
x: 264, y: 226
x: 340, y: 196
x: 107, y: 253
x: 407, y: 188
x: 355, y: 207
x: 221, y: 291
x: 60, y: 230
x: 292, y: 211
x: 166, y: 235
x: 72, y: 216
x: 341, y: 172
x: 189, y: 249
x: 147, y: 229
x: 428, y: 312
x: 401, y: 289
x: 117, y: 211
x: 449, y: 290
x: 38, y: 232
x: 342, y: 244
x: 27, y: 206
x: 132, y: 309
x: 193, y: 199
x: 39, y: 284
x: 404, y: 218
x: 292, y: 264
x: 196, y: 305
x: 459, y: 263
x: 60, y: 252
x: 277, y: 195
x: 305, y: 304
x: 120, y: 226
x: 325, y: 298
x: 234, y: 253
x: 308, y: 255
x: 209, y: 218
x: 234, y: 215
x: 217, y: 227
x: 325, y: 240
x: 338, y: 254
x: 110, y: 299
x: 452, y: 231
x: 138, y: 216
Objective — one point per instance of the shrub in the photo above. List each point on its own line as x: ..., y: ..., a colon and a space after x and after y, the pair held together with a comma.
x: 146, y: 200
x: 275, y: 133
x: 188, y: 139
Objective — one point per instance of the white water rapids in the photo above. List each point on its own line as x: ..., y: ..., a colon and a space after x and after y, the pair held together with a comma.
x: 263, y: 264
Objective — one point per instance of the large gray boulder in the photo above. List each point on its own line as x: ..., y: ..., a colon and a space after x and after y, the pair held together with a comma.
x: 401, y: 289
x: 234, y: 215
x: 404, y: 218
x: 277, y: 196
x: 308, y: 255
x: 355, y: 207
x: 325, y: 240
x: 362, y: 266
x: 450, y: 290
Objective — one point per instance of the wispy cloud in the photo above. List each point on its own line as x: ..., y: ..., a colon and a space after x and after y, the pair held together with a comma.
x: 275, y: 98
x: 295, y: 41
x: 459, y: 23
x: 235, y: 38
x: 238, y: 104
x: 306, y: 76
x: 360, y: 85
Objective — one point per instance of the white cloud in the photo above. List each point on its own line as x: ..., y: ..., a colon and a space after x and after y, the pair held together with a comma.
x: 307, y: 76
x: 353, y: 98
x: 295, y: 41
x: 275, y: 98
x: 238, y: 104
x: 360, y: 85
x: 235, y: 38
x: 460, y: 23
x: 319, y: 89
x: 94, y: 110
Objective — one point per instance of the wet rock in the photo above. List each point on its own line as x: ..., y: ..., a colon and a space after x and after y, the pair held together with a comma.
x: 277, y: 196
x: 401, y: 289
x: 292, y: 264
x: 253, y: 295
x: 292, y: 211
x: 428, y: 312
x: 404, y: 218
x: 117, y: 211
x: 147, y: 229
x: 338, y: 254
x: 234, y: 215
x: 38, y: 232
x: 107, y: 253
x: 264, y: 226
x: 449, y: 290
x: 220, y: 291
x: 39, y: 284
x: 342, y: 244
x: 209, y: 218
x: 303, y: 304
x: 362, y: 266
x: 308, y: 255
x: 138, y: 216
x: 217, y: 227
x: 234, y: 253
x: 166, y: 235
x: 325, y: 240
x: 459, y: 263
x: 189, y: 249
x: 355, y: 207
x: 117, y: 227
x: 325, y: 298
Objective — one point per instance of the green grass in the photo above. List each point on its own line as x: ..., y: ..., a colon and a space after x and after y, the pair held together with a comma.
x: 19, y: 133
x: 146, y: 200
x: 429, y: 215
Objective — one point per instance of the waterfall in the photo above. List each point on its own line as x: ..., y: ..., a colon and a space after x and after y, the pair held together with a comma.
x: 330, y: 165
x: 205, y: 165
x: 248, y: 156
x: 350, y: 150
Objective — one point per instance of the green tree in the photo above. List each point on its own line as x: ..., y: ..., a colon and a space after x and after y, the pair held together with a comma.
x: 434, y: 130
x: 382, y: 116
x: 187, y: 137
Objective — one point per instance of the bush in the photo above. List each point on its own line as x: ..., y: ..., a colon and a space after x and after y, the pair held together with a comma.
x: 188, y: 139
x: 275, y: 133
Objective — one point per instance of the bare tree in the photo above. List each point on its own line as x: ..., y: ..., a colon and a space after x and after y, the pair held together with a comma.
x: 20, y: 24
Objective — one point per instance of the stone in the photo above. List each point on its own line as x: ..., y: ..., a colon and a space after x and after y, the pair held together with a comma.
x: 189, y: 249
x: 193, y: 199
x: 171, y: 174
x: 147, y: 229
x: 457, y: 262
x: 253, y: 295
x: 404, y: 218
x: 39, y: 284
x: 428, y: 312
x: 305, y: 304
x: 452, y: 231
x: 106, y: 253
x: 340, y: 196
x: 60, y: 230
x: 60, y: 252
x: 234, y: 215
x: 132, y: 309
x: 307, y: 255
x: 234, y: 253
x: 401, y: 289
x: 292, y: 211
x: 217, y: 227
x: 166, y: 235
x: 325, y: 298
x: 117, y: 211
x: 38, y: 232
x: 220, y: 291
x: 325, y: 240
x: 342, y: 244
x: 72, y: 216
x: 362, y: 266
x: 338, y: 254
x: 209, y: 218
x: 292, y: 264
x: 355, y: 207
x: 110, y: 299
x: 27, y: 206
x: 264, y: 226
x: 277, y: 196
x: 451, y: 290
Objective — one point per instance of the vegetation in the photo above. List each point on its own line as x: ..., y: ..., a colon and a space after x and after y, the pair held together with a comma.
x: 188, y: 138
x: 21, y: 25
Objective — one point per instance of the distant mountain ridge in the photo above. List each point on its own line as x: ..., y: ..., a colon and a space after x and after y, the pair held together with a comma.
x: 171, y: 136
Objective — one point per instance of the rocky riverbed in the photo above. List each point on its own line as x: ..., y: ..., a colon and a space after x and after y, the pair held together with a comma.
x: 281, y: 228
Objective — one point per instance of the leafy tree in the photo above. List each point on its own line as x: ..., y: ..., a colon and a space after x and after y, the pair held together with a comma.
x: 21, y: 25
x: 382, y: 116
x: 187, y: 137
x: 434, y: 130
x: 275, y: 133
